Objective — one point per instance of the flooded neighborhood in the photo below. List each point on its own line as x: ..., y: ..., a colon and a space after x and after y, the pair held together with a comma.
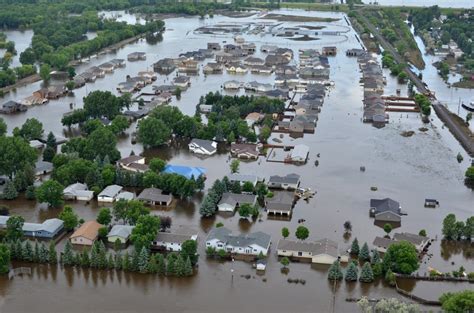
x: 348, y: 153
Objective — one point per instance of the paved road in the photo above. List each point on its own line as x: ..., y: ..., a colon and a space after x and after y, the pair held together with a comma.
x: 463, y: 135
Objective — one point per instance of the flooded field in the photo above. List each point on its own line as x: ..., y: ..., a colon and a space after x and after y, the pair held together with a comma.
x: 405, y: 169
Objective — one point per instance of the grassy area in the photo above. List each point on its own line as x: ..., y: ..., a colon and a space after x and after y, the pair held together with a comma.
x: 468, y: 84
x: 311, y: 6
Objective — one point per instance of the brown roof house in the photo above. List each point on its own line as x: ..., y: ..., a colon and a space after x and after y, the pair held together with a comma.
x: 244, y: 150
x: 86, y: 234
x: 155, y: 196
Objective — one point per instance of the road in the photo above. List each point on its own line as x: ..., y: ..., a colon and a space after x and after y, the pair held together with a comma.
x: 462, y: 134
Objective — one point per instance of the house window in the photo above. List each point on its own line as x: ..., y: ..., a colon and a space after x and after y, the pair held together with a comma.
x: 300, y: 253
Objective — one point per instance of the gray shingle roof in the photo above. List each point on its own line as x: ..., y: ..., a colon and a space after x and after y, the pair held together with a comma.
x: 223, y: 234
x: 206, y: 144
x: 325, y: 246
x: 123, y: 231
x: 288, y: 179
x: 172, y: 238
x: 235, y: 198
x: 383, y: 205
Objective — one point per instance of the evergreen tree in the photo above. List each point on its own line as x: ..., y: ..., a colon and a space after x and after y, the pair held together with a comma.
x: 126, y: 262
x: 355, y: 247
x: 135, y: 261
x: 77, y: 259
x: 352, y: 272
x: 85, y: 259
x: 188, y: 268
x: 102, y: 258
x: 180, y: 266
x: 19, y: 249
x: 43, y: 253
x: 375, y: 257
x: 111, y: 262
x: 94, y: 259
x: 10, y: 192
x: 52, y: 255
x: 171, y: 264
x: 68, y: 256
x: 36, y: 252
x: 14, y: 253
x: 377, y: 269
x: 366, y: 274
x: 143, y: 260
x: 117, y: 244
x: 335, y: 272
x: 153, y: 265
x: 118, y: 261
x: 364, y: 254
x: 161, y: 264
x: 27, y: 252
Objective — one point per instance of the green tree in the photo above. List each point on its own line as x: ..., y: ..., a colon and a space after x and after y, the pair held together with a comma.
x: 48, y: 154
x: 129, y: 211
x: 143, y: 260
x: 14, y: 229
x: 68, y: 255
x: 36, y: 252
x: 364, y: 254
x: 50, y: 192
x: 285, y: 232
x: 189, y: 251
x: 302, y: 232
x: 462, y: 301
x: 118, y: 261
x: 247, y: 187
x: 10, y: 192
x: 401, y: 257
x: 352, y: 273
x: 104, y: 217
x: 145, y: 231
x: 3, y: 127
x: 234, y: 166
x: 422, y: 233
x: 180, y: 263
x: 375, y: 257
x: 449, y: 227
x: 126, y: 261
x: 171, y: 264
x: 366, y: 274
x: 470, y: 174
x: 335, y: 272
x: 4, y: 259
x: 246, y: 210
x: 188, y: 268
x: 45, y: 72
x: 101, y: 143
x: 355, y: 247
x: 153, y: 132
x: 69, y: 217
x: 161, y: 264
x: 52, y: 255
x: 119, y: 124
x: 265, y: 133
x: 157, y: 165
x: 387, y: 228
x: 152, y: 265
x: 15, y: 155
x: 28, y: 252
x: 285, y: 262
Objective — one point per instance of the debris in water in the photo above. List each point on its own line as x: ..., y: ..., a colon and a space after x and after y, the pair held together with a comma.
x: 362, y: 168
x: 423, y: 129
x: 373, y: 188
x: 407, y: 133
x: 459, y: 157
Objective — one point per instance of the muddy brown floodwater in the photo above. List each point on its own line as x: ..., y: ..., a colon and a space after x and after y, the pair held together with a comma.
x: 408, y: 169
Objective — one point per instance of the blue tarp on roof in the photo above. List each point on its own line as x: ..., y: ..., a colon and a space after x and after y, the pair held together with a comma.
x: 186, y: 171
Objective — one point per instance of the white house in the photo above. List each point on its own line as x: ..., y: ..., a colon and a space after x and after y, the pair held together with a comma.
x: 299, y: 154
x: 242, y: 179
x: 205, y: 147
x: 109, y: 194
x: 120, y: 232
x: 251, y: 244
x: 171, y: 241
x: 322, y: 251
x: 232, y: 84
x: 78, y: 191
x: 133, y: 163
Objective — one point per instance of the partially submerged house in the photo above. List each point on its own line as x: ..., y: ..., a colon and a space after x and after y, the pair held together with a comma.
x: 186, y: 171
x: 385, y: 210
x: 86, y: 234
x: 280, y: 204
x: 288, y: 182
x: 252, y: 244
x: 213, y: 68
x: 420, y: 243
x: 136, y: 56
x: 204, y: 147
x: 232, y: 201
x: 244, y: 150
x: 322, y: 251
x: 299, y: 154
x: 133, y: 163
x: 243, y: 178
x: 172, y: 241
x: 165, y: 66
x: 121, y: 233
x: 11, y: 106
x: 155, y: 196
x: 78, y: 191
x: 109, y: 194
x: 48, y: 229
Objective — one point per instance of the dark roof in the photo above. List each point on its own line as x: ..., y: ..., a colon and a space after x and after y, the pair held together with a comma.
x: 223, y: 234
x: 412, y: 238
x: 206, y: 144
x: 130, y: 159
x: 172, y: 238
x: 281, y: 201
x: 323, y: 246
x: 154, y: 194
x: 388, y: 216
x: 288, y: 179
x: 236, y: 198
x: 384, y: 205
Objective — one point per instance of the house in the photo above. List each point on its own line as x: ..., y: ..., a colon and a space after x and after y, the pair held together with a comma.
x: 212, y: 68
x: 171, y: 241
x: 127, y: 87
x: 252, y: 244
x: 118, y: 62
x: 378, y: 206
x: 88, y: 77
x: 253, y: 61
x: 299, y: 154
x: 78, y: 192
x: 186, y: 171
x: 355, y: 52
x: 125, y: 195
x: 281, y: 203
x: 261, y: 69
x: 120, y: 232
x: 213, y: 46
x: 420, y: 243
x: 258, y: 87
x: 52, y: 92
x: 86, y: 234
x: 232, y: 84
x: 188, y: 66
x: 36, y: 144
x: 155, y: 196
x: 149, y: 76
x: 164, y: 88
x: 225, y: 58
x: 10, y: 107
x: 244, y: 150
x: 165, y: 66
x: 253, y: 118
x: 322, y: 251
x: 107, y: 67
x: 286, y: 70
x: 43, y: 168
x: 32, y: 100
x: 388, y: 217
x: 329, y: 51
x: 97, y: 71
x: 79, y: 81
x: 231, y: 201
x: 205, y: 108
x: 242, y: 179
x: 274, y: 60
x: 236, y: 68
x: 109, y: 194
x: 49, y: 229
x: 277, y: 94
x: 205, y: 147
x: 182, y: 82
x: 136, y: 56
x: 288, y: 182
x: 133, y: 163
x: 268, y: 48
